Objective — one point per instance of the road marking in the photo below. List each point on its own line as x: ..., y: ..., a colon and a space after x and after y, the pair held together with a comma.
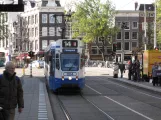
x: 98, y: 107
x: 121, y: 104
x: 133, y: 89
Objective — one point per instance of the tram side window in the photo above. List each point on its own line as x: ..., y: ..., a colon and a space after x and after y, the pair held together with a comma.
x: 57, y: 62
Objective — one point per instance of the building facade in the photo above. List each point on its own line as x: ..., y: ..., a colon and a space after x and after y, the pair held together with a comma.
x: 40, y: 24
x: 127, y: 38
x: 132, y: 38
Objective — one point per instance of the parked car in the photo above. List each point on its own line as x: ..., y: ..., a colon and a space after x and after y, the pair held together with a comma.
x: 37, y: 64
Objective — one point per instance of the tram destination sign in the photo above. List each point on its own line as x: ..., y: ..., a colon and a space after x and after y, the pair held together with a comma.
x: 70, y: 43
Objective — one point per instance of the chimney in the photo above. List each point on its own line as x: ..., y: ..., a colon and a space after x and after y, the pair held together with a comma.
x: 51, y: 3
x: 136, y: 5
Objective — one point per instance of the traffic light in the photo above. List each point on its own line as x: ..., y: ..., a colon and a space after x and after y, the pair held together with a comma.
x: 31, y: 54
x: 114, y: 47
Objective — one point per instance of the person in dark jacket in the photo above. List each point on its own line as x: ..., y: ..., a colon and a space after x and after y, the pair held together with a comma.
x: 11, y: 92
x: 122, y: 69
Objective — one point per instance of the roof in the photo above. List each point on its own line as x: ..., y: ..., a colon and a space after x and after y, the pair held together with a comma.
x: 149, y: 7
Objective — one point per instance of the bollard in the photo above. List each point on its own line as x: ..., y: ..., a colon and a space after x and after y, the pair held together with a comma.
x: 23, y: 70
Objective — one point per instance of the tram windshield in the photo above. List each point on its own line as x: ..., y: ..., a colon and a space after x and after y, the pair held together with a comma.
x: 70, y: 62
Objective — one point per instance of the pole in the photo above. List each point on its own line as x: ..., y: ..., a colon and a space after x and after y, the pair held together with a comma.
x: 31, y: 69
x: 145, y: 40
x: 155, y: 45
x: 70, y: 30
x: 123, y: 47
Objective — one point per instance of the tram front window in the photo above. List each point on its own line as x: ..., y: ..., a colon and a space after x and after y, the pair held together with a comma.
x: 70, y: 62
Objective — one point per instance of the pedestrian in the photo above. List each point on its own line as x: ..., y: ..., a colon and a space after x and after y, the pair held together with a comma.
x: 129, y: 69
x: 137, y: 70
x: 116, y: 70
x: 159, y: 77
x: 122, y: 69
x: 134, y: 75
x: 11, y: 92
x: 154, y: 74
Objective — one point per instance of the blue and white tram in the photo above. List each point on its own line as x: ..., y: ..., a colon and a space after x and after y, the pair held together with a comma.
x: 65, y: 64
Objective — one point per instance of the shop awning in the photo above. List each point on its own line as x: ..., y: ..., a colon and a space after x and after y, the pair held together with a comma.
x: 23, y: 56
x: 40, y: 53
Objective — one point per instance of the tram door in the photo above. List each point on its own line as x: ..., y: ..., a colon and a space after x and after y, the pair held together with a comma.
x: 52, y: 70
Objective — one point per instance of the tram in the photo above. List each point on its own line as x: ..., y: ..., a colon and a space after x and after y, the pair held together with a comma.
x: 65, y: 64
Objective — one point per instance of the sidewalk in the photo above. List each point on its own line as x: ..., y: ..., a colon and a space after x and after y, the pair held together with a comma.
x: 36, y: 101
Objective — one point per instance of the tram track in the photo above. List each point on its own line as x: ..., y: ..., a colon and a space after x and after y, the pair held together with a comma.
x: 85, y: 100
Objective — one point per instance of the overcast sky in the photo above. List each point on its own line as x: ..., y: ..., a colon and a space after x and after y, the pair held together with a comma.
x: 120, y: 4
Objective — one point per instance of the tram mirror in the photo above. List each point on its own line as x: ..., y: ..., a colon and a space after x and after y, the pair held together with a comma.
x: 57, y: 55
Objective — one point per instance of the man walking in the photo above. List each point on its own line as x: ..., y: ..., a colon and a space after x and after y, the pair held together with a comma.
x: 11, y: 92
x: 122, y: 69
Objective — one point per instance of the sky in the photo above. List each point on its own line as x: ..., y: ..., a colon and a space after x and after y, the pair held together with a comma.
x: 121, y: 4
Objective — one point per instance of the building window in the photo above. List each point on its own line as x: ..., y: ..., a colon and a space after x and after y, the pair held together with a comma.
x: 118, y: 45
x: 127, y: 36
x: 58, y: 19
x: 32, y: 19
x: 50, y: 41
x: 44, y: 18
x: 51, y: 31
x: 119, y: 35
x: 51, y: 18
x: 151, y: 14
x: 44, y: 31
x: 119, y: 24
x: 108, y: 50
x: 135, y: 25
x: 127, y: 46
x: 35, y: 19
x: 44, y: 44
x: 134, y: 35
x: 58, y: 31
x: 94, y: 50
x: 36, y: 44
x: 127, y: 25
x: 100, y: 50
x: 32, y: 32
x: 134, y: 44
x: 141, y: 14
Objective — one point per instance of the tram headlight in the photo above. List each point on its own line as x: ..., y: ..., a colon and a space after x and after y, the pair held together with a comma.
x: 70, y: 78
x: 62, y: 77
x: 76, y: 77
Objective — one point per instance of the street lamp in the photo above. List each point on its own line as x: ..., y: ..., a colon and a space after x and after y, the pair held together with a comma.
x: 155, y: 44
